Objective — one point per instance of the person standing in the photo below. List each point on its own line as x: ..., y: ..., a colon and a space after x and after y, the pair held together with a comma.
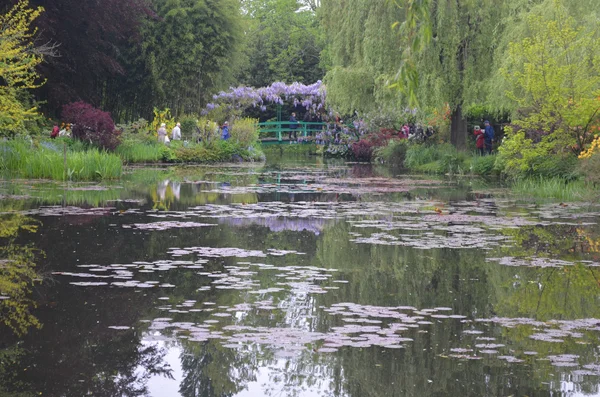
x: 55, y: 132
x: 293, y: 127
x: 162, y: 133
x: 225, y: 131
x: 176, y: 133
x: 480, y: 140
x: 488, y: 137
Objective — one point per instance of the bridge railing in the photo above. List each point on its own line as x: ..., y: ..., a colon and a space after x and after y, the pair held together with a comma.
x: 276, y: 130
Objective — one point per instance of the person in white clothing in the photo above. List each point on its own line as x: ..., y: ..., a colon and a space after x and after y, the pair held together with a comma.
x: 176, y: 133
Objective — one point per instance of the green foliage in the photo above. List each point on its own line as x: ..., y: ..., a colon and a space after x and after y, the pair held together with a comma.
x: 218, y: 151
x: 132, y: 151
x: 364, y: 56
x: 18, y: 61
x: 590, y: 168
x: 188, y: 126
x: 46, y: 161
x: 208, y: 131
x: 520, y: 157
x: 136, y: 127
x: 291, y: 150
x: 191, y: 50
x: 245, y: 131
x: 554, y: 82
x: 283, y: 43
x: 482, y: 165
x: 553, y: 188
x: 394, y: 153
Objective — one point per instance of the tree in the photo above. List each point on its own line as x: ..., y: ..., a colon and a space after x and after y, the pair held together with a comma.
x: 363, y: 54
x: 191, y: 51
x: 19, y: 58
x: 92, y: 36
x: 452, y: 56
x: 283, y: 42
x: 553, y: 79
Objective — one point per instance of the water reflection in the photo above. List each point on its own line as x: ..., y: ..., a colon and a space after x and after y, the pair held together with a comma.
x: 296, y: 280
x: 18, y: 274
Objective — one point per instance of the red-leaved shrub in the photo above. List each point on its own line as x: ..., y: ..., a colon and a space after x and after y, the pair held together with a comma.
x: 91, y: 125
x: 363, y: 149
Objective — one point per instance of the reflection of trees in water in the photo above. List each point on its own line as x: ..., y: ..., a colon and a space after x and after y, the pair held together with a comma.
x: 211, y: 370
x: 75, y: 353
x: 17, y: 273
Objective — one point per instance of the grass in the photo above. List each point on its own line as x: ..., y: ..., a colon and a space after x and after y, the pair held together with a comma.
x: 45, y: 161
x: 140, y: 152
x: 554, y: 188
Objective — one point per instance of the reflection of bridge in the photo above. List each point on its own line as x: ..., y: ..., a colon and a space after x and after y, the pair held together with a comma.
x: 278, y: 131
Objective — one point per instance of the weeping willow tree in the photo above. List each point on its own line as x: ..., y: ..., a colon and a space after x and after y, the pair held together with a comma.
x: 455, y: 58
x: 363, y: 54
x: 442, y: 54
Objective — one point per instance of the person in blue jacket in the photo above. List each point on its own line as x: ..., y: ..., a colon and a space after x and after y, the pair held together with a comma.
x: 488, y: 135
x: 225, y: 131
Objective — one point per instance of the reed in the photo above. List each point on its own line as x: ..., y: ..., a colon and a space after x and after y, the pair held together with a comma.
x: 553, y: 189
x: 140, y: 152
x: 46, y: 161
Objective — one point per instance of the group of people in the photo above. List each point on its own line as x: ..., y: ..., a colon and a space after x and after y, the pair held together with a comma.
x: 485, y: 138
x: 416, y: 132
x: 176, y: 133
x: 64, y: 130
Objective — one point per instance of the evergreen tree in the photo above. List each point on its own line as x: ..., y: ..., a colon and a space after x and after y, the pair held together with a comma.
x: 191, y: 51
x: 283, y: 43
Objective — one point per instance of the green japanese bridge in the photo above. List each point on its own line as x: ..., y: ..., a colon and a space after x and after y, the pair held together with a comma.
x: 277, y: 132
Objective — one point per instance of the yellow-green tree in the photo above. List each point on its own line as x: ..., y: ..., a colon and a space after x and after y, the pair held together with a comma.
x: 553, y: 78
x: 18, y: 60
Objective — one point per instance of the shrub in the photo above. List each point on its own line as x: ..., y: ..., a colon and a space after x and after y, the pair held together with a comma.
x: 590, y: 168
x: 438, y: 159
x: 245, y: 131
x: 482, y: 165
x: 188, y: 126
x: 160, y: 117
x: 207, y: 129
x: 362, y: 150
x: 91, y: 124
x: 135, y: 127
x: 394, y: 153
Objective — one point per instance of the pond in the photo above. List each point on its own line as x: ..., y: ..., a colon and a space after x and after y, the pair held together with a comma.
x: 295, y: 278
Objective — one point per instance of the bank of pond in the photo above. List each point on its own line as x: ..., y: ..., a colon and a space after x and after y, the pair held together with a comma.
x: 72, y: 160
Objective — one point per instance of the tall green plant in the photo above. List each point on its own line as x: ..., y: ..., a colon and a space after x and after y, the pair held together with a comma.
x: 554, y: 82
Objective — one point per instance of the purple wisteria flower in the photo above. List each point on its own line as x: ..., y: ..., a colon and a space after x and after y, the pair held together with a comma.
x: 311, y: 97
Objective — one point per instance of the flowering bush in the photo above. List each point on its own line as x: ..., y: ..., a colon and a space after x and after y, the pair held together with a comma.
x: 311, y: 97
x: 594, y: 148
x: 91, y: 124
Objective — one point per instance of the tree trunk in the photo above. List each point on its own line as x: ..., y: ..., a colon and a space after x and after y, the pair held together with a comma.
x: 458, y: 129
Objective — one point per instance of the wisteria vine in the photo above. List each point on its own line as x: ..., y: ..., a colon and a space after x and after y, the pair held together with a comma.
x: 311, y: 97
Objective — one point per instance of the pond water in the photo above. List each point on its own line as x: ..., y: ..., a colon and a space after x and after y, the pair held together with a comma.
x: 295, y: 278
